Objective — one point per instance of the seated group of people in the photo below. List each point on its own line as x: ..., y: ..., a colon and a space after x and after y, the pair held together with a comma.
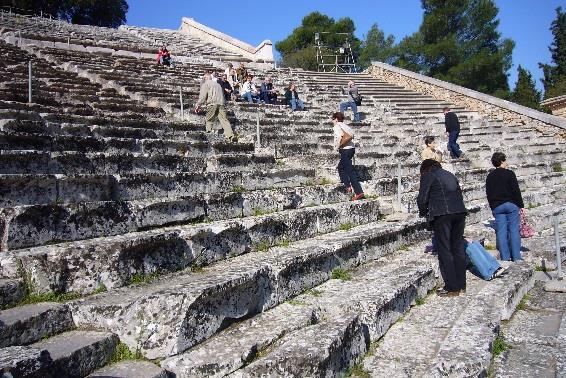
x: 164, y: 56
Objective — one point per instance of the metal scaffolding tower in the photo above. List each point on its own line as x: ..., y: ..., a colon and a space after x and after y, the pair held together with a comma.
x: 332, y: 58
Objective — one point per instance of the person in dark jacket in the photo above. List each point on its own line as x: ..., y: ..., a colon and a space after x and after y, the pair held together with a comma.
x: 506, y: 203
x: 292, y: 98
x: 226, y: 87
x: 268, y: 93
x: 452, y: 126
x: 440, y: 199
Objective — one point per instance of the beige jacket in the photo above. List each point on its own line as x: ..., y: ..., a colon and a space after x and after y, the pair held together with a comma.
x: 211, y: 93
x: 431, y: 154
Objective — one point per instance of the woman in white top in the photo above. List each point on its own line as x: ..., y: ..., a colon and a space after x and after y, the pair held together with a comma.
x: 344, y: 144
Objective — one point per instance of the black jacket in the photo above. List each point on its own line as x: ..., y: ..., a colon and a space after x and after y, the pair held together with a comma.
x: 501, y: 186
x: 439, y: 194
x: 451, y: 122
x: 289, y: 95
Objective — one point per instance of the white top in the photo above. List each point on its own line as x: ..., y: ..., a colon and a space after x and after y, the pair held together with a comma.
x: 248, y: 87
x: 339, y: 129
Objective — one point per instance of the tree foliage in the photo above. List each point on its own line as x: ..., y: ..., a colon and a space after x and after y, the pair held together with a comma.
x: 376, y: 46
x: 459, y: 43
x: 525, y: 92
x: 109, y: 13
x: 554, y: 80
x: 297, y: 50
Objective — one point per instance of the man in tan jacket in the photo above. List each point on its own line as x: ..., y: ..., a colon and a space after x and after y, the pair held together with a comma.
x: 212, y: 94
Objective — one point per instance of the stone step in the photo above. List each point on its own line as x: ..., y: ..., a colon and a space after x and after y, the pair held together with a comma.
x: 30, y: 323
x: 78, y: 353
x: 35, y: 225
x: 451, y: 336
x: 59, y: 189
x: 209, y: 301
x: 115, y: 260
x: 295, y: 337
x: 535, y: 337
x: 130, y: 369
x: 11, y: 291
x: 25, y: 361
x: 25, y: 162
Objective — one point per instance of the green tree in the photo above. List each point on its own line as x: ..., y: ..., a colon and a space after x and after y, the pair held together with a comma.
x: 297, y: 50
x: 554, y: 80
x: 525, y: 92
x: 376, y: 46
x: 458, y: 42
x: 109, y: 13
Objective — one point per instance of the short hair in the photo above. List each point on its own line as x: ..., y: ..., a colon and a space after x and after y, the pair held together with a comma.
x: 428, y: 140
x: 446, y: 109
x: 497, y: 158
x: 338, y: 116
x: 428, y: 164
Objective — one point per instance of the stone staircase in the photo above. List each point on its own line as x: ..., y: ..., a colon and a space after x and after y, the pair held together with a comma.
x: 127, y: 232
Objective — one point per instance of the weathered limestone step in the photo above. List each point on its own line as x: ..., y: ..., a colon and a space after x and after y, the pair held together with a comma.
x: 29, y: 226
x: 24, y: 361
x: 349, y: 315
x: 78, y: 353
x: 30, y: 323
x: 130, y: 369
x: 536, y: 338
x: 11, y: 291
x: 451, y: 336
x: 83, y: 266
x: 29, y: 189
x: 205, y: 302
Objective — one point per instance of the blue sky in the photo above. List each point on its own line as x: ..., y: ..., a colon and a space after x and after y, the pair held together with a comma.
x: 524, y: 21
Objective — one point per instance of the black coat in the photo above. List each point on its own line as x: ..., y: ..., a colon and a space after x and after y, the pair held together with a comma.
x: 451, y: 122
x: 439, y: 194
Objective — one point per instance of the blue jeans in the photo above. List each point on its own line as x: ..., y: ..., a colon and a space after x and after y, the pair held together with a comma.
x: 484, y: 263
x: 346, y: 171
x: 350, y: 104
x: 508, y: 236
x: 295, y: 103
x: 249, y: 97
x: 453, y: 146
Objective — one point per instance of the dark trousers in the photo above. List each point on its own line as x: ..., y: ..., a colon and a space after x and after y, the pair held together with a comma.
x: 346, y: 171
x: 453, y: 145
x: 449, y: 234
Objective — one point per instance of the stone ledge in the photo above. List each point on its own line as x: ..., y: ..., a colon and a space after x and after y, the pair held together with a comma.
x: 484, y: 104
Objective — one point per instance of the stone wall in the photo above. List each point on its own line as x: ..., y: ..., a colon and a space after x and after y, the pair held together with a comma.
x: 263, y: 52
x: 557, y: 105
x: 485, y: 105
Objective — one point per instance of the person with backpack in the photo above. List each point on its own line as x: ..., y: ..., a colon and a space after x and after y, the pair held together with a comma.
x: 344, y: 144
x: 440, y: 199
x: 353, y: 99
x: 506, y: 203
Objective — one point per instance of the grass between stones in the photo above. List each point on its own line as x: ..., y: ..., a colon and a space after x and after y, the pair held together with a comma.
x: 523, y: 303
x: 262, y: 246
x: 403, y: 247
x: 533, y: 205
x: 238, y: 189
x: 314, y: 292
x: 557, y: 167
x: 489, y: 247
x: 122, y: 352
x: 46, y: 297
x: 358, y: 371
x: 540, y: 268
x: 499, y: 346
x: 341, y: 274
x: 346, y: 226
x: 143, y: 278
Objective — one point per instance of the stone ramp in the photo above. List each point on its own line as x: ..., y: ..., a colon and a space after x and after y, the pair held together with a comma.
x: 450, y: 336
x: 535, y: 337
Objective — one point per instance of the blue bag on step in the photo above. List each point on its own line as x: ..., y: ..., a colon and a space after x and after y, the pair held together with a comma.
x: 483, y: 261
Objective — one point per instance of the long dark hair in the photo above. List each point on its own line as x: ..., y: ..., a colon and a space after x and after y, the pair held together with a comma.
x: 428, y: 164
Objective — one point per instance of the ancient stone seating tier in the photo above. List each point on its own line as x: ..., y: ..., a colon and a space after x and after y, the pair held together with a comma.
x: 216, y: 258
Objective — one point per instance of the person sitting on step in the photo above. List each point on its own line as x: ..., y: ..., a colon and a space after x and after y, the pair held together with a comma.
x: 292, y: 98
x: 226, y: 87
x: 268, y: 92
x: 164, y: 56
x: 249, y: 91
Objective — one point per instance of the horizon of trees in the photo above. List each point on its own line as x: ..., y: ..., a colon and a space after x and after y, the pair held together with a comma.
x: 457, y: 41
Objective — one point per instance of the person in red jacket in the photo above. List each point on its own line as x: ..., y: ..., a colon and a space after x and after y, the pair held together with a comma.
x: 164, y: 56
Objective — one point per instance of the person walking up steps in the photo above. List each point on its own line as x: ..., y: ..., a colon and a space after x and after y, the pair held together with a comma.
x: 353, y: 97
x: 212, y: 94
x: 452, y: 125
x: 343, y: 143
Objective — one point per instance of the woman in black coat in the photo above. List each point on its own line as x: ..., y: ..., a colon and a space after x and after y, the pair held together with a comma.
x: 440, y: 199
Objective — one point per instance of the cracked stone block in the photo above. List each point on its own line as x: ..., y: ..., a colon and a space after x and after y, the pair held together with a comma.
x: 130, y: 369
x: 25, y: 361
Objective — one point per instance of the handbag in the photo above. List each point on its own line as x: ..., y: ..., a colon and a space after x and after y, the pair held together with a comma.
x: 358, y: 100
x: 346, y: 138
x: 526, y: 230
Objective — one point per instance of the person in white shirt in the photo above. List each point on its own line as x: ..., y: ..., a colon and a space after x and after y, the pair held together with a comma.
x: 344, y: 144
x: 249, y: 91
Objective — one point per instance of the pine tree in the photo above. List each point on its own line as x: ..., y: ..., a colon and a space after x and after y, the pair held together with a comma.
x: 554, y: 80
x: 458, y: 42
x: 376, y: 47
x: 525, y: 92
